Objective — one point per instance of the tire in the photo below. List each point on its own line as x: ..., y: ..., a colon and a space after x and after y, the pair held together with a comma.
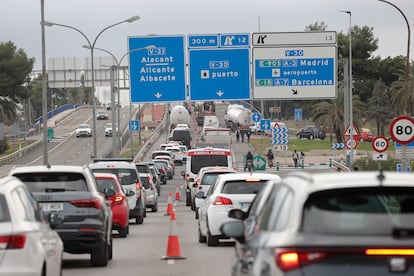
x: 201, y: 238
x: 127, y: 229
x: 193, y: 205
x: 110, y: 250
x: 99, y: 257
x: 123, y: 232
x: 311, y: 137
x: 145, y: 212
x: 196, y: 213
x: 139, y: 220
x: 154, y: 208
x: 188, y: 199
x: 211, y: 240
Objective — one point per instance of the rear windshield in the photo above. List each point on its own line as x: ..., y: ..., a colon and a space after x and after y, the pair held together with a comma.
x: 106, y: 183
x: 160, y: 165
x: 155, y: 154
x: 142, y: 168
x: 209, y: 179
x: 54, y: 181
x: 145, y: 181
x: 125, y: 176
x: 243, y: 187
x: 359, y: 211
x: 4, y: 210
x: 197, y: 162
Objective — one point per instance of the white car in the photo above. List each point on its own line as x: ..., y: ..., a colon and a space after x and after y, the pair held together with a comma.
x: 108, y: 129
x: 28, y: 245
x: 182, y: 126
x: 177, y: 153
x: 83, y: 130
x: 151, y: 193
x: 230, y: 191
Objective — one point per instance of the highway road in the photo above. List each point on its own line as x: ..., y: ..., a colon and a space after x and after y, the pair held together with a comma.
x: 140, y: 253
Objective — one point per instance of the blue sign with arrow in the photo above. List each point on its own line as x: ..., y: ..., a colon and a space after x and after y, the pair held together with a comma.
x: 157, y: 74
x: 265, y: 124
x: 279, y: 141
x: 280, y: 135
x: 338, y: 145
x: 219, y: 67
x: 256, y: 117
x: 134, y: 125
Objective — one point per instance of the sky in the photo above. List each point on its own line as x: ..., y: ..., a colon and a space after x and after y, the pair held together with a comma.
x: 20, y: 21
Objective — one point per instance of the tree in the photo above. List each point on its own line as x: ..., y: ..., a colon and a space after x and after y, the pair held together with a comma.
x: 402, y: 94
x: 379, y: 107
x: 15, y: 68
x: 330, y: 113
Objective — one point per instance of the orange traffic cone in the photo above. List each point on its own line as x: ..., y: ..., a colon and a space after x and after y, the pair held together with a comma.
x: 169, y: 205
x: 177, y: 192
x: 173, y: 245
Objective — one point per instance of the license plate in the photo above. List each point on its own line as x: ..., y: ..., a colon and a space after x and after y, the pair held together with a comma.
x: 52, y: 207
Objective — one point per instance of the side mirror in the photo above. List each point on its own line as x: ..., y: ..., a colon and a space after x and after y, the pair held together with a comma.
x: 237, y: 214
x: 200, y: 195
x: 129, y: 193
x: 55, y: 219
x: 109, y: 192
x: 233, y: 229
x: 182, y: 173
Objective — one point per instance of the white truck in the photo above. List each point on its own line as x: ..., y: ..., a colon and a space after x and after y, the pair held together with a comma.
x: 179, y: 115
x: 238, y: 117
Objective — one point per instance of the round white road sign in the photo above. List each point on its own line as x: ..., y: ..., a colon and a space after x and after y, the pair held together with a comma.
x: 402, y: 130
x: 351, y: 144
x: 380, y: 143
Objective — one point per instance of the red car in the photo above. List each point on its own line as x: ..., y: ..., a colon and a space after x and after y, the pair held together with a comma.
x: 118, y: 202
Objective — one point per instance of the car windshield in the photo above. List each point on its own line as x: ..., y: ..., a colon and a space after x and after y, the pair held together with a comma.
x: 106, y: 183
x: 125, y: 176
x: 83, y: 126
x: 243, y: 187
x: 373, y: 211
x: 53, y: 181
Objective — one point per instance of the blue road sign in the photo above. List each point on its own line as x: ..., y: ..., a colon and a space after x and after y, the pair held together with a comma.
x: 280, y: 135
x: 256, y: 117
x: 338, y: 145
x: 298, y: 114
x: 134, y: 125
x: 280, y: 130
x: 219, y: 67
x: 158, y: 74
x: 265, y: 124
x: 279, y: 141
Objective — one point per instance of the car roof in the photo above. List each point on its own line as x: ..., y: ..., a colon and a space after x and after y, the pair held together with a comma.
x: 112, y: 164
x: 248, y: 175
x: 310, y: 183
x: 47, y: 168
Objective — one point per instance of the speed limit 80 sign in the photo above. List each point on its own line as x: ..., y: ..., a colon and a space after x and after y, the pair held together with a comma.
x: 402, y: 130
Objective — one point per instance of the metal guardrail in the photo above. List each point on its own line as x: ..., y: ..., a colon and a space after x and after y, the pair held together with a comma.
x: 18, y: 154
x: 340, y: 167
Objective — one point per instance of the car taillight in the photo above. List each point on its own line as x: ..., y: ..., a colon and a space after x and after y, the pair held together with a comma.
x: 222, y: 201
x: 187, y: 177
x: 118, y: 199
x: 151, y: 182
x: 12, y: 241
x: 138, y: 187
x: 290, y: 260
x: 87, y: 203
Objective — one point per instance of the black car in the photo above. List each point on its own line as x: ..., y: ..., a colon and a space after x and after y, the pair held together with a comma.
x: 311, y: 132
x: 72, y: 191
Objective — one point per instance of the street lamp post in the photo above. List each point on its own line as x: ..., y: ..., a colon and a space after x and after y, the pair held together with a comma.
x: 44, y: 86
x: 351, y: 119
x: 407, y: 75
x: 91, y: 47
x: 118, y: 66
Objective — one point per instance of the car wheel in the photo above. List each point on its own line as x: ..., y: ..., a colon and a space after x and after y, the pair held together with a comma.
x: 110, y: 250
x: 123, y: 232
x: 193, y: 205
x: 127, y: 229
x: 145, y: 212
x: 188, y: 199
x: 211, y: 240
x: 311, y: 137
x: 201, y: 238
x: 99, y: 257
x: 154, y: 208
x: 139, y: 220
x: 196, y: 213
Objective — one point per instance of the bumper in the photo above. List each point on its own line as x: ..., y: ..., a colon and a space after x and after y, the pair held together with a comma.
x: 78, y: 241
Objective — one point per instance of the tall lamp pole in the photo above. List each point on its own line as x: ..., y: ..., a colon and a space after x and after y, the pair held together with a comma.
x: 44, y: 85
x: 118, y: 66
x: 91, y: 47
x: 351, y: 118
x: 407, y: 75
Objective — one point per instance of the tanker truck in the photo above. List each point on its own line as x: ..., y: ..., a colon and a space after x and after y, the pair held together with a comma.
x: 238, y: 117
x: 179, y: 115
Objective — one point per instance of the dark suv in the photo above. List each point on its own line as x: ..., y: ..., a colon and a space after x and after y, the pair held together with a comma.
x: 311, y: 132
x: 71, y: 191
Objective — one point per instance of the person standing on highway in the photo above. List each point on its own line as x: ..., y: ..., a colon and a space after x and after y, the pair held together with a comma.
x: 295, y: 157
x: 238, y: 135
x: 242, y: 132
x: 248, y: 132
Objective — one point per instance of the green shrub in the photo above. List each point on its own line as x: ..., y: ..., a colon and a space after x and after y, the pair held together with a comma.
x: 3, y: 146
x: 367, y: 164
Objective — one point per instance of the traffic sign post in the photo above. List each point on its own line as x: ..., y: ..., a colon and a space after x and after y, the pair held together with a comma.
x: 351, y: 144
x: 294, y: 66
x: 219, y: 67
x: 402, y: 131
x: 157, y: 74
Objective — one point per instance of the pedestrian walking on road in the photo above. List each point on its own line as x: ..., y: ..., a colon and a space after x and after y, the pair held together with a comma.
x: 238, y: 135
x: 295, y: 157
x: 248, y: 133
x: 270, y: 158
x: 242, y: 132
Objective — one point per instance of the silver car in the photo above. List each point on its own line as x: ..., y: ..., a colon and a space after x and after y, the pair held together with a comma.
x: 150, y: 191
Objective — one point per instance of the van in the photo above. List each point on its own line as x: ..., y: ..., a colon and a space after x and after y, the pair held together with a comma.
x: 204, y: 157
x: 182, y: 135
